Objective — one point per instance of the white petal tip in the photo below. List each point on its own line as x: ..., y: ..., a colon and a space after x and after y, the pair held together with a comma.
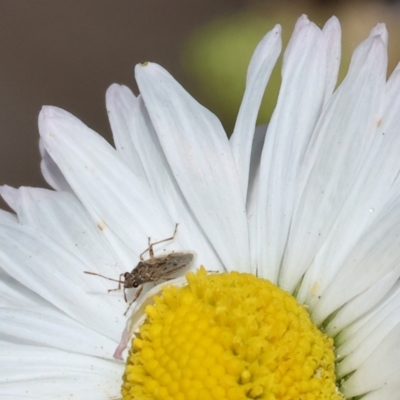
x: 302, y: 21
x: 9, y: 194
x: 146, y: 68
x: 143, y: 65
x: 380, y: 30
x: 277, y: 29
x: 113, y: 88
x: 332, y: 23
x: 47, y: 110
x: 117, y: 95
x: 52, y: 112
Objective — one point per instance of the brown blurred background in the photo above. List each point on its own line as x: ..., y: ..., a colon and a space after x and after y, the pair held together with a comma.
x: 66, y: 53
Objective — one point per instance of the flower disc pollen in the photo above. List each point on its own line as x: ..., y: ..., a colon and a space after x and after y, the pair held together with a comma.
x: 229, y: 336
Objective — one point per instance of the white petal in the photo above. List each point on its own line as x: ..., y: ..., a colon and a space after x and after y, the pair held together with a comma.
x: 108, y: 189
x: 380, y: 372
x: 373, y: 188
x: 390, y: 392
x: 159, y: 176
x: 332, y: 34
x: 336, y: 155
x: 200, y: 157
x: 356, y: 343
x: 51, y: 172
x: 57, y: 275
x: 259, y: 71
x: 120, y: 101
x: 380, y: 30
x: 361, y: 304
x: 300, y: 101
x: 62, y: 217
x: 256, y: 150
x: 378, y: 247
x: 13, y: 294
x: 7, y: 217
x: 47, y: 374
x: 254, y: 184
x: 43, y: 326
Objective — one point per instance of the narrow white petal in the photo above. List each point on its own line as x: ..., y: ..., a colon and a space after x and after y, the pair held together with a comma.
x: 380, y: 30
x: 105, y: 185
x: 13, y: 294
x: 360, y: 339
x: 51, y: 172
x: 57, y: 275
x: 350, y: 338
x: 332, y: 35
x: 336, y: 155
x: 256, y: 150
x: 30, y: 319
x: 380, y: 372
x: 374, y: 187
x: 162, y: 182
x: 378, y: 247
x: 361, y: 304
x: 120, y: 101
x: 47, y: 327
x: 62, y: 217
x: 200, y: 158
x: 47, y: 374
x: 299, y: 105
x: 390, y: 392
x: 7, y: 217
x: 259, y: 71
x: 301, y: 23
x: 254, y: 184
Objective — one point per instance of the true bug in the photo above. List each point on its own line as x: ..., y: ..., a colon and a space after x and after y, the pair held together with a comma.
x: 151, y: 270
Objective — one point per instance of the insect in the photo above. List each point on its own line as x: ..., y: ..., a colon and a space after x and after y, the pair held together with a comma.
x: 151, y: 270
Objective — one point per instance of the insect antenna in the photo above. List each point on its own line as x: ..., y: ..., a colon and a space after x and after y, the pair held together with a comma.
x: 102, y: 276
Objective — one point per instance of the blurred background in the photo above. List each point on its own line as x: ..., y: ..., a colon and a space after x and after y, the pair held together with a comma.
x: 66, y: 53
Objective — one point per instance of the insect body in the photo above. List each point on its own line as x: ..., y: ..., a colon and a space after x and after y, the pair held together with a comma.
x: 153, y: 269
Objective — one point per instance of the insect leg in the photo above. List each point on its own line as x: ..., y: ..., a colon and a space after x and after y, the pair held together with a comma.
x: 119, y: 283
x: 150, y: 248
x: 126, y: 300
x: 137, y: 294
x: 110, y: 279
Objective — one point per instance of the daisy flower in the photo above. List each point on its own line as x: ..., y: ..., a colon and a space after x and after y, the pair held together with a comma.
x: 296, y: 225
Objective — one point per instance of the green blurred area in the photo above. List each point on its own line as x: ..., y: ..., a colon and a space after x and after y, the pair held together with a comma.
x: 217, y: 55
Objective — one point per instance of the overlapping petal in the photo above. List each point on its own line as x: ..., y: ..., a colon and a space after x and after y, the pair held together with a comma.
x: 335, y: 157
x: 47, y: 373
x: 201, y: 160
x: 305, y: 74
x: 259, y: 71
x: 131, y: 113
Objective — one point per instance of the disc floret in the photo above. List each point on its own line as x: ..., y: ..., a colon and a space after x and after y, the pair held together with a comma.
x: 229, y: 336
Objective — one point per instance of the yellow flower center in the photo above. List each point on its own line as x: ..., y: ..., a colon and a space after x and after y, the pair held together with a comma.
x: 229, y: 336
